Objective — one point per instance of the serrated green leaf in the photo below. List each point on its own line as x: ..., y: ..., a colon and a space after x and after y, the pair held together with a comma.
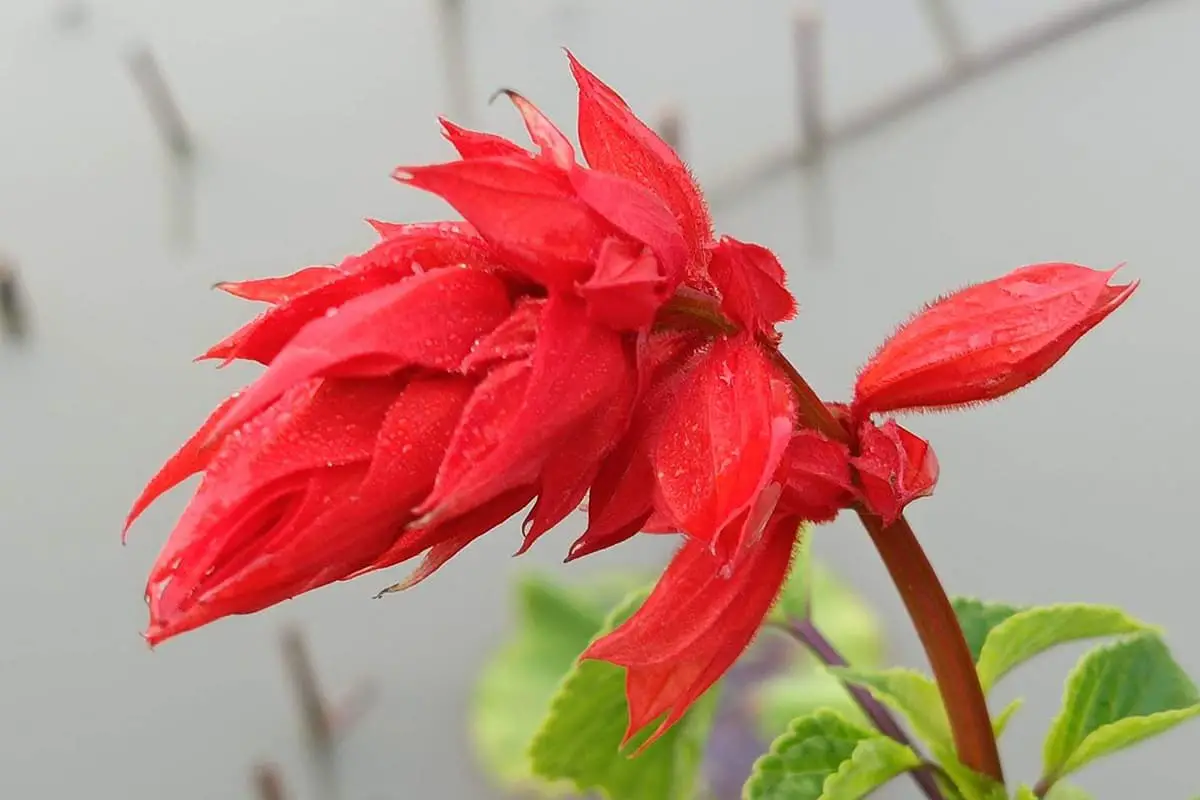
x: 1031, y: 631
x: 911, y: 694
x: 873, y: 763
x: 1000, y: 722
x: 1117, y: 695
x: 803, y: 757
x: 553, y: 625
x: 977, y: 618
x: 580, y: 739
x: 799, y: 692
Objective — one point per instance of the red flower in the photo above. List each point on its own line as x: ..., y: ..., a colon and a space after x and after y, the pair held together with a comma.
x: 420, y: 393
x: 894, y: 467
x: 987, y: 340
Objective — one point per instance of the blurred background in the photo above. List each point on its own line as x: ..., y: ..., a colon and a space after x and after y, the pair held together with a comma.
x: 1079, y: 488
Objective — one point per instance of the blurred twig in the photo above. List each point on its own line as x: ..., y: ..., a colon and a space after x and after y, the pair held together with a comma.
x: 268, y: 782
x: 452, y: 20
x: 670, y: 127
x: 13, y: 316
x: 325, y: 725
x: 164, y: 110
x: 922, y: 92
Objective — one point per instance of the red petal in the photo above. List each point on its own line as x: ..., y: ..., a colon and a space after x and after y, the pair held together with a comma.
x: 512, y: 339
x: 815, y: 475
x: 894, y: 468
x: 446, y: 540
x: 987, y: 340
x: 622, y: 495
x: 721, y: 443
x: 276, y: 290
x: 545, y: 134
x: 523, y: 411
x: 574, y: 464
x: 525, y: 208
x: 476, y: 144
x: 418, y: 247
x: 615, y: 141
x: 752, y: 285
x: 694, y: 625
x: 627, y: 288
x: 430, y: 320
x: 235, y: 548
x: 191, y: 458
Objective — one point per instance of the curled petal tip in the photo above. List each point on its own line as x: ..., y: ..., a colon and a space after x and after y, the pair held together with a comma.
x: 403, y: 174
x: 503, y: 90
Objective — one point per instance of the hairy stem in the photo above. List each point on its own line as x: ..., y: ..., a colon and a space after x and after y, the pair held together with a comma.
x: 811, y: 637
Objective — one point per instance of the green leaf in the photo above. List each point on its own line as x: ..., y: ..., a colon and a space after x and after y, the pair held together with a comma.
x: 580, y: 739
x: 968, y: 784
x: 1117, y: 695
x: 850, y: 623
x: 554, y: 624
x: 977, y: 618
x: 811, y: 750
x: 873, y: 763
x: 1000, y: 721
x: 1031, y: 631
x: 910, y: 693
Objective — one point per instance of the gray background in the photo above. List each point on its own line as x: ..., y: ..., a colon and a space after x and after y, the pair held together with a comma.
x: 1080, y: 488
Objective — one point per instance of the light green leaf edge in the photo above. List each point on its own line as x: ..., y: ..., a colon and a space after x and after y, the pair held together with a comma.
x: 909, y: 693
x: 1119, y: 734
x: 821, y: 742
x: 1032, y: 631
x: 873, y: 763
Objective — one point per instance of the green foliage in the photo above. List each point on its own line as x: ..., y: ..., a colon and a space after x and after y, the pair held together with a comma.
x: 824, y: 757
x: 554, y: 625
x: 580, y: 739
x: 1000, y: 721
x: 1025, y: 633
x: 846, y: 619
x: 1117, y: 695
x: 909, y: 693
x: 873, y: 763
x: 977, y: 618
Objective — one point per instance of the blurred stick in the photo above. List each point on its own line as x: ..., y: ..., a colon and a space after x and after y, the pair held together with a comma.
x: 268, y: 782
x: 325, y: 725
x: 809, y: 79
x: 156, y: 92
x: 452, y: 20
x: 314, y: 715
x: 942, y: 19
x: 670, y: 128
x: 922, y: 92
x: 12, y: 306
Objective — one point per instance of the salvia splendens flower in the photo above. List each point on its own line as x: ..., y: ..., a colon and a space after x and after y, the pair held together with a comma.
x: 559, y: 345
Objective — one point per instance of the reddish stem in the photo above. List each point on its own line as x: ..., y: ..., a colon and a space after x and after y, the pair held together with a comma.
x: 928, y: 607
x: 940, y: 634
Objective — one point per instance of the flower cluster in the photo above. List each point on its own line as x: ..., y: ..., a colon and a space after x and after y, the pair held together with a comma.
x: 583, y: 334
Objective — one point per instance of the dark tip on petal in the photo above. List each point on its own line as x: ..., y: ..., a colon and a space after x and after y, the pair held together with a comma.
x: 503, y: 90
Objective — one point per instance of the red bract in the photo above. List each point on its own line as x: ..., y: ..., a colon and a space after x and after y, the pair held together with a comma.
x: 987, y: 340
x: 717, y: 449
x: 694, y: 625
x: 894, y: 468
x: 600, y: 234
